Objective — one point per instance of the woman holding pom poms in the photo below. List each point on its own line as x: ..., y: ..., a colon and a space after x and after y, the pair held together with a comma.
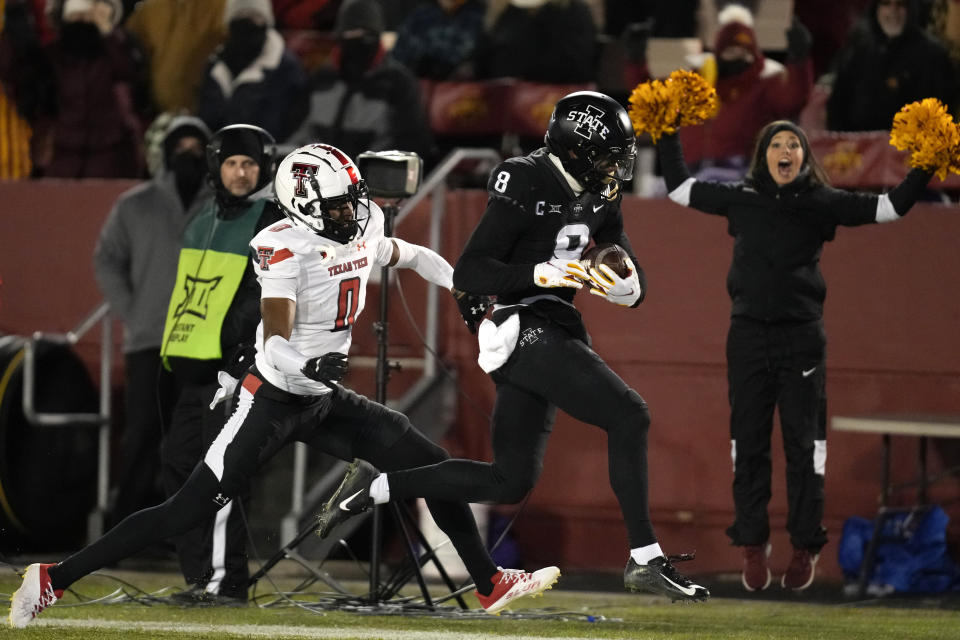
x: 780, y: 216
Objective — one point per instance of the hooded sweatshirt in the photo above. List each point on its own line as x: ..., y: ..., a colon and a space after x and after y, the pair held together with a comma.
x: 135, y: 260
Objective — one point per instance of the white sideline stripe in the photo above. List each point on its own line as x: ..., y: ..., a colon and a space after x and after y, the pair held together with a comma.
x: 284, y: 631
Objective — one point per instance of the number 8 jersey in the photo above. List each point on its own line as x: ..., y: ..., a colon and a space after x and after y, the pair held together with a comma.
x: 326, y: 280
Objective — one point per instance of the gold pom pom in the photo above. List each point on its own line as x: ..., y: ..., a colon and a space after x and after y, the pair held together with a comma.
x: 698, y: 100
x: 659, y: 108
x: 927, y: 130
x: 653, y: 109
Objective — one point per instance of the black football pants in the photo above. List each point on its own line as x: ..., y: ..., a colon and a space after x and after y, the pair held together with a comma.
x: 214, y: 553
x: 549, y: 369
x: 783, y: 366
x: 343, y: 424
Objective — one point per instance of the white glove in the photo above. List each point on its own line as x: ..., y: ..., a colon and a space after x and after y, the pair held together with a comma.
x: 560, y: 273
x: 228, y: 384
x: 622, y: 291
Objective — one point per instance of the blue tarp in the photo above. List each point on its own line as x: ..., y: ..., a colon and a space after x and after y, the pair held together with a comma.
x: 911, y: 554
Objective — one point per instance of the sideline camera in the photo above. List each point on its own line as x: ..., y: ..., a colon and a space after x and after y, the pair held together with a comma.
x: 391, y: 174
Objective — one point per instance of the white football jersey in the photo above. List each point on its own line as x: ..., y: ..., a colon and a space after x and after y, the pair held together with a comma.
x: 328, y: 282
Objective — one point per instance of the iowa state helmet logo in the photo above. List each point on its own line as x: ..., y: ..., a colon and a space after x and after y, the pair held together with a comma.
x: 589, y: 122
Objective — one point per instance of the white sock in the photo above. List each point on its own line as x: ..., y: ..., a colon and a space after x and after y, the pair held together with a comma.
x: 380, y: 489
x: 643, y: 555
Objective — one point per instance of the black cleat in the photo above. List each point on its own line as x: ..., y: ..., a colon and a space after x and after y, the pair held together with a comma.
x: 351, y: 498
x: 659, y: 577
x: 197, y: 596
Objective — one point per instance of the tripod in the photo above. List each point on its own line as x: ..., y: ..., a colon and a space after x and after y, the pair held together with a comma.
x: 379, y: 593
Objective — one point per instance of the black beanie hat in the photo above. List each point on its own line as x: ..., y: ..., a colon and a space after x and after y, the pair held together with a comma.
x: 360, y: 14
x: 241, y: 142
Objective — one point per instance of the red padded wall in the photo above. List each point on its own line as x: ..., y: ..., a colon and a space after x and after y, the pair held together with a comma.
x: 892, y: 314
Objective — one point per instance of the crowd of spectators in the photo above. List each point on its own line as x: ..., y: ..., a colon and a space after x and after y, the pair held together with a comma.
x: 81, y: 81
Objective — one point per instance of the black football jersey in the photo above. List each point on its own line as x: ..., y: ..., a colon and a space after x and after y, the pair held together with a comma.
x: 533, y: 216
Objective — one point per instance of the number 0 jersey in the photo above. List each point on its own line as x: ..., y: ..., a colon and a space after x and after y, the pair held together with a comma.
x: 326, y: 280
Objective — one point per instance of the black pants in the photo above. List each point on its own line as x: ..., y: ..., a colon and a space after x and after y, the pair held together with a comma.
x: 149, y: 396
x: 779, y: 366
x: 213, y: 554
x: 343, y: 424
x: 549, y: 369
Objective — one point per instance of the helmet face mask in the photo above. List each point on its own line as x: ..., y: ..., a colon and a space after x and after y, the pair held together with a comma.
x: 593, y: 137
x: 318, y: 187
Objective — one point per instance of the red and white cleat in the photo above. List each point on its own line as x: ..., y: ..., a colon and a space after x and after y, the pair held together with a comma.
x: 34, y: 595
x: 510, y: 584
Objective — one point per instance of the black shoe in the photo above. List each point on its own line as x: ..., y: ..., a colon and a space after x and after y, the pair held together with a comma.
x: 351, y: 498
x: 659, y: 577
x: 197, y: 596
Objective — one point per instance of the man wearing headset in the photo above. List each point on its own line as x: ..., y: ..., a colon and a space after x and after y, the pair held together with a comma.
x: 211, y: 326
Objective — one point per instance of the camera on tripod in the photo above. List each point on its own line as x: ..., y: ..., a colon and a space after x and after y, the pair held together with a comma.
x: 391, y: 174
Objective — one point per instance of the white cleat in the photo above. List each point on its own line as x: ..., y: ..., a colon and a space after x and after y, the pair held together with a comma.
x: 510, y: 584
x: 34, y: 595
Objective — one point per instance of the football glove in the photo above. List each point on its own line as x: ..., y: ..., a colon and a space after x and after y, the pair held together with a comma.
x: 328, y: 368
x: 607, y: 284
x: 472, y: 307
x: 560, y: 273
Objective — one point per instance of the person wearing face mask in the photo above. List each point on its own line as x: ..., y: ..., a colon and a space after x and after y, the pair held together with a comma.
x: 780, y: 216
x: 752, y: 89
x: 211, y: 321
x: 100, y: 96
x: 253, y: 78
x: 135, y: 262
x: 888, y: 61
x: 365, y: 100
x: 537, y: 40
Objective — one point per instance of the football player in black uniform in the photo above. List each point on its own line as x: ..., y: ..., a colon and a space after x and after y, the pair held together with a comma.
x: 543, y: 211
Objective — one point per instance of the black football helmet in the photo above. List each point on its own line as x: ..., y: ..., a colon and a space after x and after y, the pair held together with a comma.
x: 593, y: 137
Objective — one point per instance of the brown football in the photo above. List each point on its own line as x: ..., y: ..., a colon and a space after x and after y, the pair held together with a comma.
x: 609, y: 254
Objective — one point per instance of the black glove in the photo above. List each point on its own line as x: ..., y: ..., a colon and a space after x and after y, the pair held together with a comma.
x: 328, y: 368
x: 472, y: 307
x: 240, y: 360
x: 799, y: 41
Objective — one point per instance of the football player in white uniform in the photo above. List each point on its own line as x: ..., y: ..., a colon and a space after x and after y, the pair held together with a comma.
x: 313, y: 270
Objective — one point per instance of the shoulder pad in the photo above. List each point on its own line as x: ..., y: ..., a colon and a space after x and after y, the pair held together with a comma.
x: 374, y: 228
x: 515, y: 180
x: 283, y: 234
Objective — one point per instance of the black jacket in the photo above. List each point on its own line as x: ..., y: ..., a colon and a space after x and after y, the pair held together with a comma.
x: 779, y: 232
x: 877, y: 75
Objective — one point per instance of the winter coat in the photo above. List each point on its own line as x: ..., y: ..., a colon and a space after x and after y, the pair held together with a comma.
x: 877, y: 75
x: 135, y: 260
x: 178, y: 37
x: 269, y: 93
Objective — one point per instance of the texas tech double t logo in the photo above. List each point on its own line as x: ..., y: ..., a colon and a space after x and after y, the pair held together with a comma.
x: 302, y: 171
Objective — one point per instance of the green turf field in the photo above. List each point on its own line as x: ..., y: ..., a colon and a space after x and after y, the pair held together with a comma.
x: 128, y: 610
